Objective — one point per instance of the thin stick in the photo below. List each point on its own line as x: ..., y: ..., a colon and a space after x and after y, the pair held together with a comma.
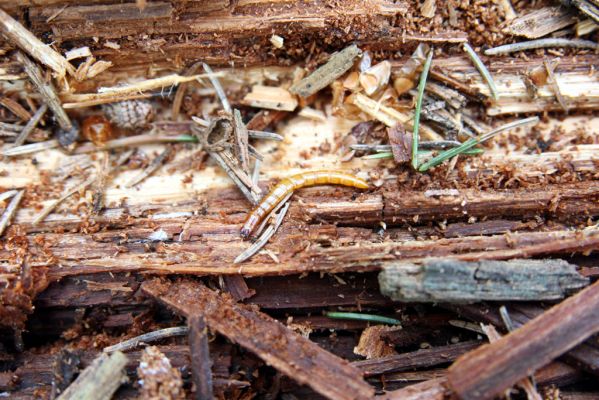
x: 363, y: 317
x: 252, y: 197
x: 217, y: 87
x: 150, y: 169
x: 265, y: 237
x: 30, y: 148
x: 10, y: 210
x: 541, y: 44
x: 47, y: 91
x: 149, y: 337
x: 425, y: 145
x: 241, y: 141
x: 550, y: 67
x: 421, y: 154
x: 201, y: 364
x: 421, y: 85
x: 178, y: 99
x: 31, y: 124
x: 156, y: 83
x: 18, y: 35
x: 15, y: 108
x: 480, y: 66
x: 470, y: 143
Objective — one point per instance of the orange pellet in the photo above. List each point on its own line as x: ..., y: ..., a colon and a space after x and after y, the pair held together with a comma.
x: 288, y: 185
x: 97, y: 129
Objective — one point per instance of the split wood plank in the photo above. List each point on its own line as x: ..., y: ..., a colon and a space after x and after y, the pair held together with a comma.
x: 285, y: 350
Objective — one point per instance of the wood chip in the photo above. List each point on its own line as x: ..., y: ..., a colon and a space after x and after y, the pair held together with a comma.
x: 338, y: 64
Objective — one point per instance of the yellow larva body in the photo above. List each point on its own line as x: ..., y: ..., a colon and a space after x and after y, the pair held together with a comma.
x: 288, y: 185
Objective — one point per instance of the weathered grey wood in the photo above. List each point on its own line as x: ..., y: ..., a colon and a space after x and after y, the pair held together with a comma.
x: 100, y: 380
x: 459, y: 281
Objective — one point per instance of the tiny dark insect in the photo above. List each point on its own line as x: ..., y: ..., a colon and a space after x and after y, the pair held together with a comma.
x: 288, y: 185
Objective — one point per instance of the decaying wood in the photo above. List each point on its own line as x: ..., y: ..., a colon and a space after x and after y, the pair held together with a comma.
x: 201, y: 364
x: 343, y: 249
x: 417, y: 359
x: 287, y: 351
x: 216, y: 34
x: 456, y: 281
x: 490, y: 369
x: 100, y: 380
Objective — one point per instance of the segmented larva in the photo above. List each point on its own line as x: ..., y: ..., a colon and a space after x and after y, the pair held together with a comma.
x: 288, y: 185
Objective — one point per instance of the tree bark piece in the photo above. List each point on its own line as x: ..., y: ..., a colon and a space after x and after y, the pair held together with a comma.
x: 490, y: 369
x: 201, y: 364
x: 458, y: 281
x: 287, y: 351
x: 100, y: 380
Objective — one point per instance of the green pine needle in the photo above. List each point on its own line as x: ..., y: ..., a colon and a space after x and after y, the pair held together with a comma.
x: 363, y: 317
x: 470, y: 143
x: 421, y: 85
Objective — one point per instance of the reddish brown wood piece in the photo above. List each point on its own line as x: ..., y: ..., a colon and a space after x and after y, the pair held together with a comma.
x: 285, y: 350
x: 487, y: 371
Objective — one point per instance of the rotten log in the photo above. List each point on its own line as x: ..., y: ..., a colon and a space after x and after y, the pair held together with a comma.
x: 490, y: 369
x: 290, y: 353
x: 452, y: 281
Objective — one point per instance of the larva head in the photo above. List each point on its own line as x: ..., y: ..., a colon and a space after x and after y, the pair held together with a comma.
x: 249, y: 226
x: 245, y: 233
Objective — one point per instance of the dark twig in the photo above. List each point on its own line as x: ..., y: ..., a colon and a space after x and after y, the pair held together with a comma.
x: 31, y: 124
x: 201, y: 364
x: 149, y: 337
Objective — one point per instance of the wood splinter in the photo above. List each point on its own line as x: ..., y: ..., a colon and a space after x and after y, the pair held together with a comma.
x: 100, y: 380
